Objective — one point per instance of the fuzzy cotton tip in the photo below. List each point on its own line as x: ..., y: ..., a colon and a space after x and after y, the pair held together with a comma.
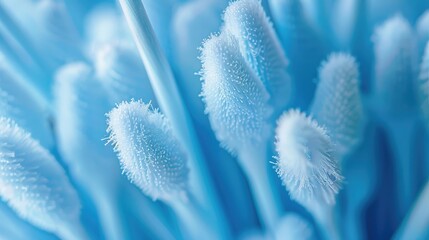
x: 33, y: 183
x: 306, y: 160
x: 149, y: 153
x: 247, y: 21
x: 395, y: 66
x: 337, y: 104
x: 236, y: 100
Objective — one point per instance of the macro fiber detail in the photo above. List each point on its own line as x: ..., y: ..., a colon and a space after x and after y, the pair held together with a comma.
x: 214, y: 119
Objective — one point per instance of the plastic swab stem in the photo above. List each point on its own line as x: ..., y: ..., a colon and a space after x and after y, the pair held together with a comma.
x: 401, y: 133
x: 187, y: 210
x: 166, y: 91
x: 112, y: 220
x: 254, y: 163
x: 141, y: 208
x: 324, y: 216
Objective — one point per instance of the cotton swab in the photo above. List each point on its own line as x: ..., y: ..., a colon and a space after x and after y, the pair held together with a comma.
x: 247, y: 21
x: 308, y: 166
x: 35, y: 185
x: 171, y: 103
x: 153, y: 160
x: 237, y: 105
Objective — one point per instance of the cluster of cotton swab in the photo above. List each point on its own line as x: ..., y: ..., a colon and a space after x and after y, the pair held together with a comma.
x: 210, y: 119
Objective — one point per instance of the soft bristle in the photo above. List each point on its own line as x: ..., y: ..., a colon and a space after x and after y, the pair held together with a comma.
x: 121, y: 71
x: 395, y: 69
x: 20, y: 102
x: 247, y: 21
x: 424, y: 85
x: 306, y: 160
x: 293, y: 226
x: 337, y: 104
x: 236, y: 100
x: 33, y: 183
x: 149, y: 153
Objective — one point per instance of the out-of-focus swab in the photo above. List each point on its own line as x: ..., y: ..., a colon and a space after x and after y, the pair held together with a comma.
x: 395, y: 86
x: 35, y: 185
x: 337, y: 104
x: 23, y: 103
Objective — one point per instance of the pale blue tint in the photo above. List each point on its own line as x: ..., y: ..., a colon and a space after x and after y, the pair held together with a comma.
x: 277, y: 119
x: 35, y: 185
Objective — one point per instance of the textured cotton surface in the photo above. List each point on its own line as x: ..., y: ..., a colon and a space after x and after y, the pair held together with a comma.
x: 259, y: 44
x: 149, y: 153
x: 228, y: 77
x: 32, y: 182
x: 306, y: 159
x: 337, y: 104
x: 236, y: 101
